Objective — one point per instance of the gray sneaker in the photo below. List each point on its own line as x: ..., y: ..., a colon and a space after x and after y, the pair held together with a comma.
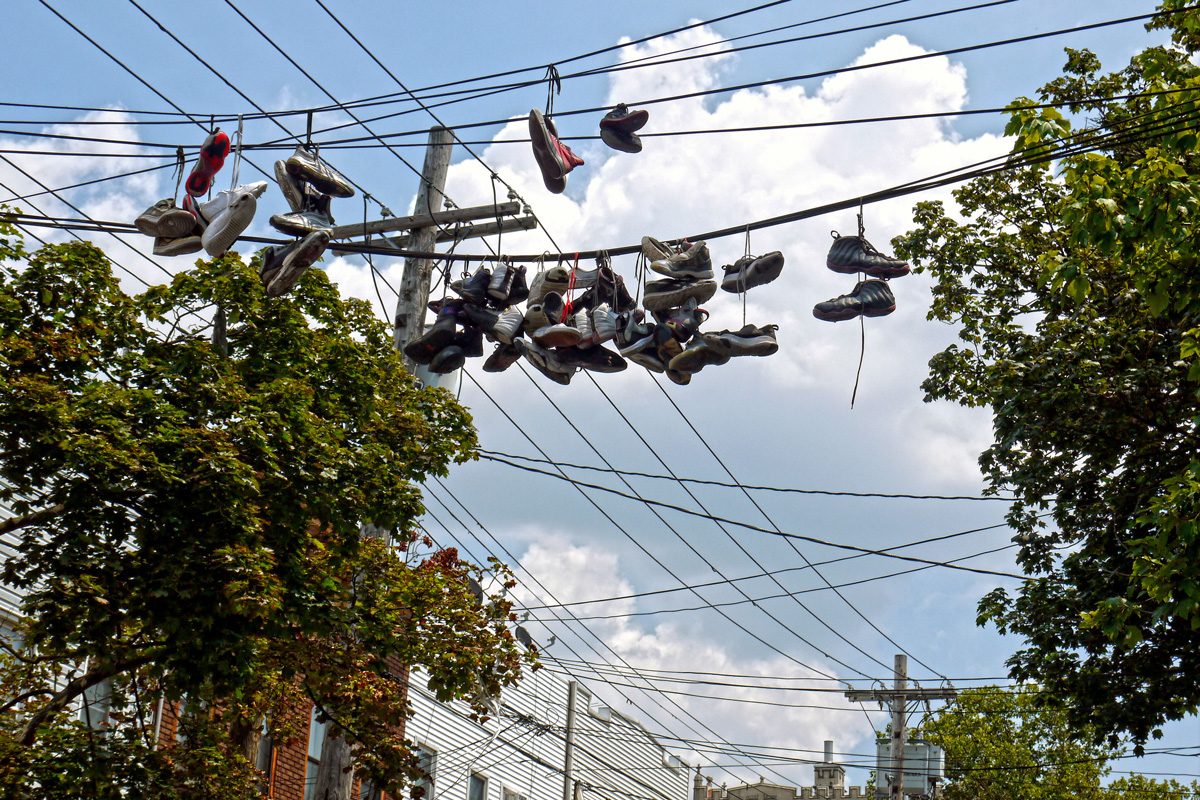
x: 164, y: 219
x: 301, y: 223
x: 671, y: 293
x: 283, y: 265
x: 750, y: 271
x: 752, y: 340
x: 545, y: 361
x: 231, y: 223
x: 692, y: 264
x: 179, y: 245
x: 705, y: 349
x: 306, y: 166
x: 291, y: 186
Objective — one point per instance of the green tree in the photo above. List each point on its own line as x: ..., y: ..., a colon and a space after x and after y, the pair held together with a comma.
x: 1074, y: 289
x: 190, y: 523
x: 1139, y: 786
x: 1002, y: 744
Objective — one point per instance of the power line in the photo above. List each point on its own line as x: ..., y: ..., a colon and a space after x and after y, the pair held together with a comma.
x: 756, y: 528
x: 750, y: 487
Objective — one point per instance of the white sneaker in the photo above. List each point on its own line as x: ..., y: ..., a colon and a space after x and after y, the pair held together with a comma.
x: 508, y: 325
x: 227, y: 226
x: 583, y: 324
x: 604, y: 324
x: 207, y: 212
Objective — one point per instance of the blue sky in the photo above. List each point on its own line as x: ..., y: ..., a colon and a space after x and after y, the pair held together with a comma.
x: 781, y: 421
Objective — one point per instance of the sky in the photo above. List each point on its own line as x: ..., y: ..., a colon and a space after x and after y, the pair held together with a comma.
x: 782, y: 421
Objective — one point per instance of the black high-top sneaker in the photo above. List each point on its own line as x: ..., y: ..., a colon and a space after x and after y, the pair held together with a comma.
x: 869, y: 298
x: 437, y: 338
x: 474, y: 288
x: 851, y: 254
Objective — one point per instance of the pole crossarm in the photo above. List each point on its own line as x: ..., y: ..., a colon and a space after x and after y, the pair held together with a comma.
x: 887, y: 695
x: 463, y: 232
x: 414, y: 221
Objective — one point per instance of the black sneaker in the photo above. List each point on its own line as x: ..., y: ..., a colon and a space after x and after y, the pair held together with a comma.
x: 474, y: 288
x: 470, y: 339
x: 750, y: 271
x: 447, y: 360
x: 440, y: 336
x: 596, y: 358
x: 503, y: 357
x: 519, y: 292
x: 751, y: 340
x: 851, y: 254
x: 870, y: 299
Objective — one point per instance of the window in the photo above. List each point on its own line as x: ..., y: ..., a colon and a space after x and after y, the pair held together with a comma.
x: 427, y: 761
x: 477, y: 787
x: 512, y: 794
x: 316, y: 741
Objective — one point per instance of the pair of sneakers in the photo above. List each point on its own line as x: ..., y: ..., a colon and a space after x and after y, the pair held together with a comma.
x: 618, y: 128
x: 308, y: 184
x: 283, y: 265
x: 174, y: 229
x: 871, y: 297
x: 599, y: 286
x: 688, y: 267
x: 499, y: 288
x: 445, y: 346
x: 553, y: 157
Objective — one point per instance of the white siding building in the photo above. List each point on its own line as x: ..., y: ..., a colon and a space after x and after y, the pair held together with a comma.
x: 520, y: 754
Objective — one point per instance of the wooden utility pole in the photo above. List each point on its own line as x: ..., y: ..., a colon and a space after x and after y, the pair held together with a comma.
x: 414, y: 284
x: 568, y: 791
x: 897, y: 701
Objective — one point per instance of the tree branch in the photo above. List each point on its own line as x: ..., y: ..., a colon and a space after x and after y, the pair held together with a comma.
x: 32, y: 518
x: 78, y: 686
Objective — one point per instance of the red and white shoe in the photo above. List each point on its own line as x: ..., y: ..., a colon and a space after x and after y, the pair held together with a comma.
x: 553, y: 157
x: 212, y: 158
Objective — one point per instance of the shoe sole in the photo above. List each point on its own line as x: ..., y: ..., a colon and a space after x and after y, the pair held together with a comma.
x: 231, y: 223
x: 558, y: 335
x: 171, y: 224
x: 624, y: 142
x: 179, y: 246
x: 449, y: 359
x: 539, y: 362
x: 874, y: 272
x: 756, y: 346
x: 662, y: 301
x: 842, y: 316
x: 323, y: 177
x: 554, y: 172
x: 292, y: 192
x: 648, y: 361
x: 297, y: 262
x: 682, y: 273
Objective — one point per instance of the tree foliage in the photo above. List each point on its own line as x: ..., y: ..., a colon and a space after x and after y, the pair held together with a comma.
x: 1001, y: 744
x: 190, y: 521
x: 1074, y: 288
x: 1004, y: 743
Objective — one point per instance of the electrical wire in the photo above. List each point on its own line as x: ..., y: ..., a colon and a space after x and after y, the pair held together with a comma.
x: 750, y: 487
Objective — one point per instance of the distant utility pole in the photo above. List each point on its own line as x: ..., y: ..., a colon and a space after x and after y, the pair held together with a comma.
x: 569, y: 791
x: 897, y: 701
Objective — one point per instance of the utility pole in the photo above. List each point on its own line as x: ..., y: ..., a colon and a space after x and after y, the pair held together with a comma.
x: 568, y: 791
x: 414, y: 284
x: 897, y: 701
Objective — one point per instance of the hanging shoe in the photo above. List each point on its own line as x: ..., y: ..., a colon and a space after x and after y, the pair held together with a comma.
x: 604, y: 324
x: 439, y: 336
x: 447, y: 360
x: 851, y: 254
x: 618, y: 128
x: 291, y: 186
x: 558, y: 279
x: 545, y: 361
x: 871, y: 298
x: 470, y: 339
x: 648, y: 359
x: 285, y: 264
x: 654, y: 250
x: 691, y: 264
x: 554, y: 158
x: 633, y: 335
x: 206, y: 211
x: 500, y: 286
x: 503, y: 357
x: 220, y: 234
x: 751, y: 340
x: 306, y: 166
x: 706, y: 349
x: 750, y: 271
x: 519, y: 292
x: 609, y: 289
x: 557, y: 334
x: 473, y: 288
x: 165, y: 219
x: 179, y: 245
x: 684, y: 321
x: 595, y: 358
x: 669, y: 293
x: 212, y: 157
